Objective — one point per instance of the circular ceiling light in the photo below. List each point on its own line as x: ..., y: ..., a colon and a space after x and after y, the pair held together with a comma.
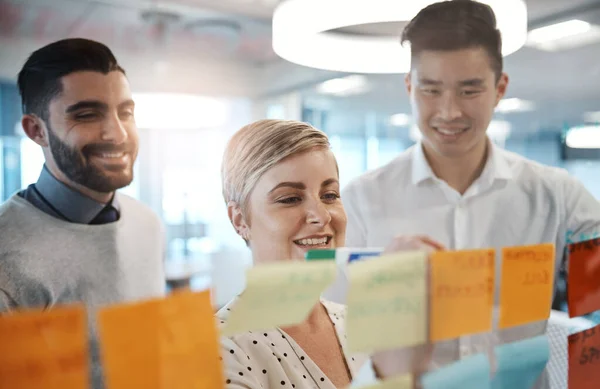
x: 301, y: 32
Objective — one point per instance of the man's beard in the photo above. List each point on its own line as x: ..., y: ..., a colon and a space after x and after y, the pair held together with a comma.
x: 76, y: 166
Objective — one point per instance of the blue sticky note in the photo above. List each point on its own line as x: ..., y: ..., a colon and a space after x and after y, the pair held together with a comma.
x: 358, y: 256
x: 520, y: 364
x: 470, y: 373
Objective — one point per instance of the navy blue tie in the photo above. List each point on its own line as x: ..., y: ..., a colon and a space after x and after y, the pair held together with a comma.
x: 108, y: 215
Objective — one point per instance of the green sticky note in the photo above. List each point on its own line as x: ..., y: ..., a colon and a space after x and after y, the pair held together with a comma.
x: 320, y: 255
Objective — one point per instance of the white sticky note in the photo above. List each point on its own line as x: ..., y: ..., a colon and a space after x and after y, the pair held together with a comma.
x: 387, y: 302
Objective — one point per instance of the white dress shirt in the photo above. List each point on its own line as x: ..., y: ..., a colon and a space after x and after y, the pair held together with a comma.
x: 514, y: 202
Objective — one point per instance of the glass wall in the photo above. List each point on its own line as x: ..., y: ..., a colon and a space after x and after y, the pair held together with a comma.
x: 177, y: 173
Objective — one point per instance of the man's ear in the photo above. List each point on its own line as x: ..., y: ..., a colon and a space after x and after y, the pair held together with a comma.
x: 238, y: 220
x: 501, y: 87
x: 35, y: 129
x: 408, y: 83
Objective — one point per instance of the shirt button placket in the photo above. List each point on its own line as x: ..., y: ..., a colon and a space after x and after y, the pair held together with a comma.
x: 460, y: 226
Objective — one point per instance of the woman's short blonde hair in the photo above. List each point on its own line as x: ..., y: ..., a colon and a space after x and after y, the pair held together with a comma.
x: 259, y: 146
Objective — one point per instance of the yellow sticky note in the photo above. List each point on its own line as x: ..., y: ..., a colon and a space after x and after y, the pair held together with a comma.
x: 527, y: 284
x: 279, y: 294
x: 400, y: 382
x: 162, y: 343
x: 462, y: 293
x: 387, y: 302
x: 44, y: 349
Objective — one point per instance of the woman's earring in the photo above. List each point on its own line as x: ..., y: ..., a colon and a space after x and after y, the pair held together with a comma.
x: 244, y: 234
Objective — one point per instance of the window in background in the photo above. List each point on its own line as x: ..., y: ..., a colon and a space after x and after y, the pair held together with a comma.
x: 361, y: 141
x: 32, y: 161
x: 390, y: 148
x: 182, y: 139
x: 178, y: 111
x: 587, y: 173
x: 275, y: 111
x: 193, y: 208
x: 357, y: 155
x: 183, y: 214
x: 133, y: 189
x: 351, y: 156
x: 372, y: 152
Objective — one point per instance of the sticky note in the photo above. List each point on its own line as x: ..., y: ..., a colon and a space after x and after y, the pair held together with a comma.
x: 584, y: 277
x: 462, y: 293
x: 527, y: 284
x: 44, y: 349
x: 361, y: 255
x: 584, y: 359
x: 161, y: 343
x: 387, y: 302
x: 520, y: 364
x: 320, y: 255
x: 470, y: 373
x: 279, y: 294
x: 400, y: 382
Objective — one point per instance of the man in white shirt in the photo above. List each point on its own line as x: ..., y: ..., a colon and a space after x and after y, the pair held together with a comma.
x: 455, y: 186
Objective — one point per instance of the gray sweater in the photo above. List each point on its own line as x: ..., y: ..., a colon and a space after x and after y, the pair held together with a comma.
x: 45, y: 261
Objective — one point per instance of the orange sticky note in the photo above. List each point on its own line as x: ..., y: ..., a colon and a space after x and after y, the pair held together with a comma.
x: 527, y: 284
x: 584, y: 277
x: 584, y: 359
x: 163, y: 343
x: 44, y: 349
x: 462, y: 293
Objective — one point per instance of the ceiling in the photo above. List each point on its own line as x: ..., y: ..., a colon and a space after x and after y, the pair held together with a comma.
x: 175, y: 27
x: 223, y: 47
x: 190, y: 46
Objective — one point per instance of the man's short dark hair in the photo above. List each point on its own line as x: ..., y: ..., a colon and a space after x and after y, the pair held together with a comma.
x: 456, y: 25
x: 39, y: 80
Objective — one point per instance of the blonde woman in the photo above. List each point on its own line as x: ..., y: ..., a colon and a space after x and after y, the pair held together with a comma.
x: 281, y: 186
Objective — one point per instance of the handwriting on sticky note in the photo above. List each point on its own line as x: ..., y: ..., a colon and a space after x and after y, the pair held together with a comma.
x: 388, y: 294
x: 400, y: 382
x: 520, y: 364
x: 584, y: 359
x: 584, y: 277
x: 44, y: 349
x: 462, y: 285
x: 279, y: 294
x: 527, y: 284
x: 470, y: 373
x: 167, y: 343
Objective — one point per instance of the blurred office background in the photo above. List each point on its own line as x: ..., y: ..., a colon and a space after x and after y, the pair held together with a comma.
x: 200, y: 69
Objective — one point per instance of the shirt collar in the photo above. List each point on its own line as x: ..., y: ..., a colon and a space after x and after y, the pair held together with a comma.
x: 74, y: 206
x: 496, y: 166
x: 421, y: 170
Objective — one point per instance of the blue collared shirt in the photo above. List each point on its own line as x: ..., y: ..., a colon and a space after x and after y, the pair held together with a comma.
x: 56, y: 199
